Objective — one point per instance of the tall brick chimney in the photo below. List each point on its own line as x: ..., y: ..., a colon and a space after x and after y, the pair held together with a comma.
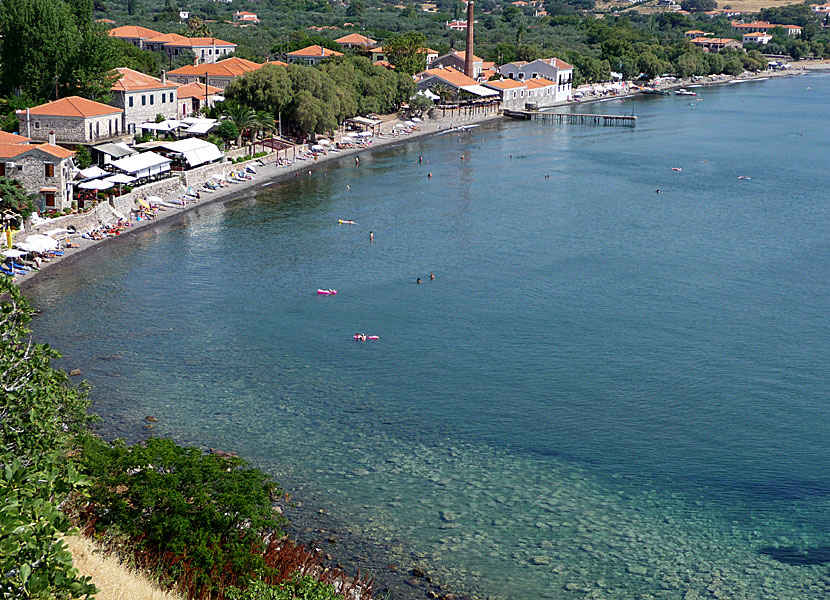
x: 468, y: 51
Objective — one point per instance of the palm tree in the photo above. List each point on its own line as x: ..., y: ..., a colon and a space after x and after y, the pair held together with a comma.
x: 443, y: 90
x: 242, y: 116
x: 267, y: 123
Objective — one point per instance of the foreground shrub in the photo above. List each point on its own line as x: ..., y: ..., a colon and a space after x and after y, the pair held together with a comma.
x: 297, y: 588
x: 197, y: 519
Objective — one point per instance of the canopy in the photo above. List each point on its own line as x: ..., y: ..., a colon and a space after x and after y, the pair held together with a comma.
x: 96, y: 184
x: 194, y: 151
x: 416, y: 120
x: 38, y: 243
x: 115, y: 149
x: 143, y: 165
x: 119, y: 178
x: 346, y: 140
x: 479, y: 90
x: 365, y: 134
x: 317, y: 148
x: 201, y: 127
x: 429, y: 94
x: 365, y: 121
x: 13, y: 253
x: 93, y: 172
x: 168, y: 125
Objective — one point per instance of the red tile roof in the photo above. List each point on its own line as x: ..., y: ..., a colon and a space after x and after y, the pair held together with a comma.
x: 132, y: 31
x: 450, y: 75
x: 356, y: 38
x: 314, y: 51
x: 197, y: 90
x: 12, y: 150
x: 505, y: 84
x: 130, y: 81
x: 74, y: 106
x: 230, y: 67
x: 11, y: 138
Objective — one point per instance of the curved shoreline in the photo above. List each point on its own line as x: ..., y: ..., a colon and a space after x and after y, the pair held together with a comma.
x: 268, y: 174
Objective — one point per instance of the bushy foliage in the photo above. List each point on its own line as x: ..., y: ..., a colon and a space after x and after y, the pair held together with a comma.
x: 298, y: 588
x: 198, y: 519
x: 40, y: 413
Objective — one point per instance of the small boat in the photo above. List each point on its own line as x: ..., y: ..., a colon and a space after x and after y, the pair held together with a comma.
x: 682, y: 92
x: 327, y: 292
x: 744, y: 177
x: 345, y: 222
x: 676, y: 169
x: 363, y: 337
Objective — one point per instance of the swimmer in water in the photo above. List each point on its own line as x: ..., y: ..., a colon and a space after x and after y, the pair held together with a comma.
x: 429, y: 176
x: 418, y: 280
x: 420, y: 159
x: 371, y: 237
x: 431, y: 276
x: 348, y: 187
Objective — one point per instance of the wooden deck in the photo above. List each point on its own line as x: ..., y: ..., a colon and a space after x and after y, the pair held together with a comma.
x: 577, y: 118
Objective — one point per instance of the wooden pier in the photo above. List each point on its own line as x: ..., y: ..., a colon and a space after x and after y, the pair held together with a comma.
x: 576, y: 118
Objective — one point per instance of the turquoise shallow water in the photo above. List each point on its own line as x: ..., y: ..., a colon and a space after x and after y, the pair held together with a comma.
x: 606, y: 392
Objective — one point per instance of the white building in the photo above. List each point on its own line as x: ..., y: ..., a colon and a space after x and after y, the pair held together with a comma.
x: 552, y: 69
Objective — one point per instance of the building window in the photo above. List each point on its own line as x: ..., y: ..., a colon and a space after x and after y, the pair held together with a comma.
x: 143, y: 100
x: 151, y: 99
x: 163, y: 98
x: 171, y: 96
x: 37, y: 124
x: 50, y: 169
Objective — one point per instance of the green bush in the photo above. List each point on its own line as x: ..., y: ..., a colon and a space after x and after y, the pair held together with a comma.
x: 41, y: 415
x: 199, y: 519
x: 297, y: 588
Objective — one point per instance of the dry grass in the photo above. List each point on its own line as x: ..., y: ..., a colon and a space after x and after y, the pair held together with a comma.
x: 116, y: 581
x: 746, y: 6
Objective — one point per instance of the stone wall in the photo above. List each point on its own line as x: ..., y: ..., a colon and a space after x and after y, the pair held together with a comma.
x: 103, y: 212
x: 195, y: 178
x: 71, y: 129
x: 30, y: 170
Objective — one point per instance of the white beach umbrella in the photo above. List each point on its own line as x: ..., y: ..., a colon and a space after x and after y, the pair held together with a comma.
x: 416, y: 120
x: 324, y: 142
x: 13, y: 253
x: 38, y: 243
x: 96, y: 184
x: 156, y: 199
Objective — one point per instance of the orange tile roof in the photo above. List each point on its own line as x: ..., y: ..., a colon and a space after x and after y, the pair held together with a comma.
x: 356, y: 38
x: 378, y: 50
x: 505, y: 84
x: 165, y: 38
x: 312, y: 51
x: 130, y: 81
x: 12, y: 150
x: 538, y: 82
x: 279, y: 63
x: 705, y: 40
x: 74, y: 106
x: 230, y: 67
x: 106, y: 21
x: 56, y: 151
x: 694, y: 31
x: 245, y: 13
x: 450, y: 75
x: 12, y: 138
x: 196, y: 90
x: 386, y: 64
x: 556, y: 62
x: 203, y: 42
x: 132, y: 31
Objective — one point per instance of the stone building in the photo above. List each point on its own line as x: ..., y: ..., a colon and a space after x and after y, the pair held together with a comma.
x: 456, y: 59
x: 217, y: 74
x: 512, y: 93
x: 133, y: 34
x: 142, y: 97
x: 73, y: 120
x: 195, y: 96
x: 42, y: 169
x: 311, y: 55
x: 207, y: 50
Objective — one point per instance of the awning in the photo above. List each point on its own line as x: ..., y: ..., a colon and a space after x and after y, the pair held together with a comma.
x: 120, y: 178
x: 365, y: 121
x: 13, y: 253
x: 201, y: 127
x: 168, y: 125
x: 96, y: 184
x: 93, y: 172
x: 115, y: 149
x: 479, y: 90
x: 143, y: 165
x: 194, y: 151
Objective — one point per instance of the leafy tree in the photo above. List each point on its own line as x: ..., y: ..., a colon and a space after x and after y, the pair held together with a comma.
x: 443, y: 91
x: 131, y: 6
x: 733, y: 66
x: 698, y: 5
x: 196, y: 27
x: 82, y: 158
x: 510, y: 13
x: 356, y: 8
x: 266, y: 89
x: 137, y: 59
x: 420, y: 104
x: 406, y: 52
x: 14, y: 198
x: 228, y: 130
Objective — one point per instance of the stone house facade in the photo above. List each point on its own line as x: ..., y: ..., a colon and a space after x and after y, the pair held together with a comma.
x: 552, y: 69
x: 513, y: 94
x: 142, y: 97
x: 218, y: 74
x: 42, y: 169
x: 73, y: 120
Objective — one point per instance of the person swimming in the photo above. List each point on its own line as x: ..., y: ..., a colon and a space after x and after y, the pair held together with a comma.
x: 431, y: 276
x: 429, y: 175
x: 418, y: 280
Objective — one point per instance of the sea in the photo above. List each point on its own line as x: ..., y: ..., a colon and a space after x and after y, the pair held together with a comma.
x: 617, y: 386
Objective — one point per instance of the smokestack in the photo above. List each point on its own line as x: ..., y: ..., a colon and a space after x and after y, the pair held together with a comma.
x: 52, y: 138
x: 163, y: 76
x: 468, y: 51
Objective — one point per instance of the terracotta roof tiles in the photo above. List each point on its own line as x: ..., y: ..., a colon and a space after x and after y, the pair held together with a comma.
x: 130, y: 81
x: 74, y: 106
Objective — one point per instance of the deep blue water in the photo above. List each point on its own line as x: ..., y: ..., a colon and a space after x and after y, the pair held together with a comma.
x: 606, y: 392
